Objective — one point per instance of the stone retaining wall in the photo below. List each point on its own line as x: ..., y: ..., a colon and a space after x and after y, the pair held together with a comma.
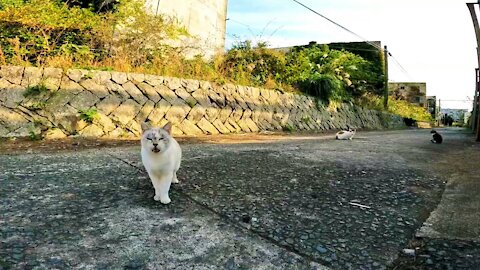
x: 49, y: 101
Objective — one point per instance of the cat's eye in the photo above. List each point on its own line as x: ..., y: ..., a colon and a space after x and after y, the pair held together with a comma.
x: 149, y: 139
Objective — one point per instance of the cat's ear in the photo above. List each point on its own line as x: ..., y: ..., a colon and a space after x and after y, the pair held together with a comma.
x: 168, y: 127
x: 145, y: 126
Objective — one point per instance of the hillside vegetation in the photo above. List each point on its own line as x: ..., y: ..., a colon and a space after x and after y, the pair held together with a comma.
x: 118, y: 35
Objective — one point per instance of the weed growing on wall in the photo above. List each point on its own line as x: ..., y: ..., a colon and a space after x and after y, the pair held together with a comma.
x: 35, y: 90
x: 89, y: 115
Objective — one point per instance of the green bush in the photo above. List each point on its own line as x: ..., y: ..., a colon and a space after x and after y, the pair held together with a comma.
x: 399, y: 107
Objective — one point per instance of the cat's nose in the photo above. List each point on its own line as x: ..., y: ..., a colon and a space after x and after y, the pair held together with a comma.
x: 155, y: 144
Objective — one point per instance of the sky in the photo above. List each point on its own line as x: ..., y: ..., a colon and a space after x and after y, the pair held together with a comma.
x: 430, y: 41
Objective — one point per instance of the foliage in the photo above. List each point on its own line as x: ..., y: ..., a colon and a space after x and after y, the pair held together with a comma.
x: 89, y: 115
x: 35, y: 30
x: 35, y: 90
x: 256, y: 65
x: 34, y: 136
x: 49, y: 32
x: 331, y: 74
x: 399, y: 107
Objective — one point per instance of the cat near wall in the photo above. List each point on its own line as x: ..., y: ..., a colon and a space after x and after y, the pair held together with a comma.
x: 161, y: 156
x: 345, y: 134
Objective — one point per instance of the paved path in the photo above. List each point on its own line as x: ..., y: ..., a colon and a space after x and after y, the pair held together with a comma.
x: 300, y: 203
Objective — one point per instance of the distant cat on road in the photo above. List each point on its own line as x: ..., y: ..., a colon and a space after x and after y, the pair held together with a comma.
x: 161, y: 156
x: 437, y: 138
x: 345, y: 134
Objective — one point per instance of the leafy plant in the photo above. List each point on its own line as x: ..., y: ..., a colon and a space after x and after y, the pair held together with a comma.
x: 35, y: 90
x: 289, y: 128
x: 399, y: 107
x: 34, y: 136
x: 89, y: 115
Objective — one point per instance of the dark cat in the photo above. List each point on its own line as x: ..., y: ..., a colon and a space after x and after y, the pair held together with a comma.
x: 437, y: 138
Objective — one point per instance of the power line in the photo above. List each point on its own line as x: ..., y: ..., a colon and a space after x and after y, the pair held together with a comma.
x: 337, y: 24
x: 404, y: 71
x: 357, y: 35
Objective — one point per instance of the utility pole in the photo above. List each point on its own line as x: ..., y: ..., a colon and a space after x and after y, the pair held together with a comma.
x: 439, y: 113
x: 475, y: 116
x: 385, y: 65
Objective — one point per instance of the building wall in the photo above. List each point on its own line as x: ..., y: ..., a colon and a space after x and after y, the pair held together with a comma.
x: 53, y: 102
x: 413, y: 92
x: 204, y: 19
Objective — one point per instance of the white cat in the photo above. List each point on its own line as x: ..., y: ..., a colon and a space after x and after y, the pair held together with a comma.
x: 161, y: 156
x: 345, y: 134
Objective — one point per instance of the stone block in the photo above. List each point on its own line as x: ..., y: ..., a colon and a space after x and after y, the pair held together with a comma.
x: 196, y: 114
x: 119, y: 77
x: 145, y: 111
x: 237, y: 114
x: 220, y: 127
x: 207, y: 127
x: 108, y: 104
x: 84, y: 100
x: 234, y: 124
x: 243, y: 125
x: 191, y: 85
x: 134, y: 127
x: 202, y: 97
x: 136, y: 78
x: 212, y: 113
x: 105, y: 123
x: 99, y: 90
x: 114, y: 88
x: 189, y: 128
x: 149, y: 91
x: 11, y: 94
x: 13, y: 74
x: 153, y: 80
x: 251, y: 125
x: 166, y: 93
x: 159, y: 111
x: 32, y: 76
x: 172, y: 83
x: 52, y: 77
x: 125, y: 112
x: 76, y: 74
x: 92, y: 130
x: 178, y: 112
x: 183, y: 94
x: 101, y: 77
x: 229, y: 127
x: 54, y: 133
x: 225, y: 112
x: 134, y: 92
x: 12, y: 120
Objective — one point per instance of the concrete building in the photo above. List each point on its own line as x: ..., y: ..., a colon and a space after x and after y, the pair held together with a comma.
x: 413, y: 92
x: 205, y: 20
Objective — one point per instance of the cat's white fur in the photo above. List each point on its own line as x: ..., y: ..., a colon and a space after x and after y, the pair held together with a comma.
x: 161, y: 156
x: 345, y: 134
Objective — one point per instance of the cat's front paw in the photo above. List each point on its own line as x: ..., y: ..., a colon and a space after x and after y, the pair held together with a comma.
x: 175, y: 181
x: 162, y: 200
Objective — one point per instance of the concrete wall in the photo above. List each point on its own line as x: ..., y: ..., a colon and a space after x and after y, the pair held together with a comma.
x: 204, y: 19
x: 49, y: 101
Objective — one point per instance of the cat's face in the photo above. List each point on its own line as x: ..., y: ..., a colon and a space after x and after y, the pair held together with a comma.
x: 156, y: 140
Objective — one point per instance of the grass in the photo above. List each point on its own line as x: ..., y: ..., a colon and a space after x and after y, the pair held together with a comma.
x: 35, y: 90
x: 89, y: 115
